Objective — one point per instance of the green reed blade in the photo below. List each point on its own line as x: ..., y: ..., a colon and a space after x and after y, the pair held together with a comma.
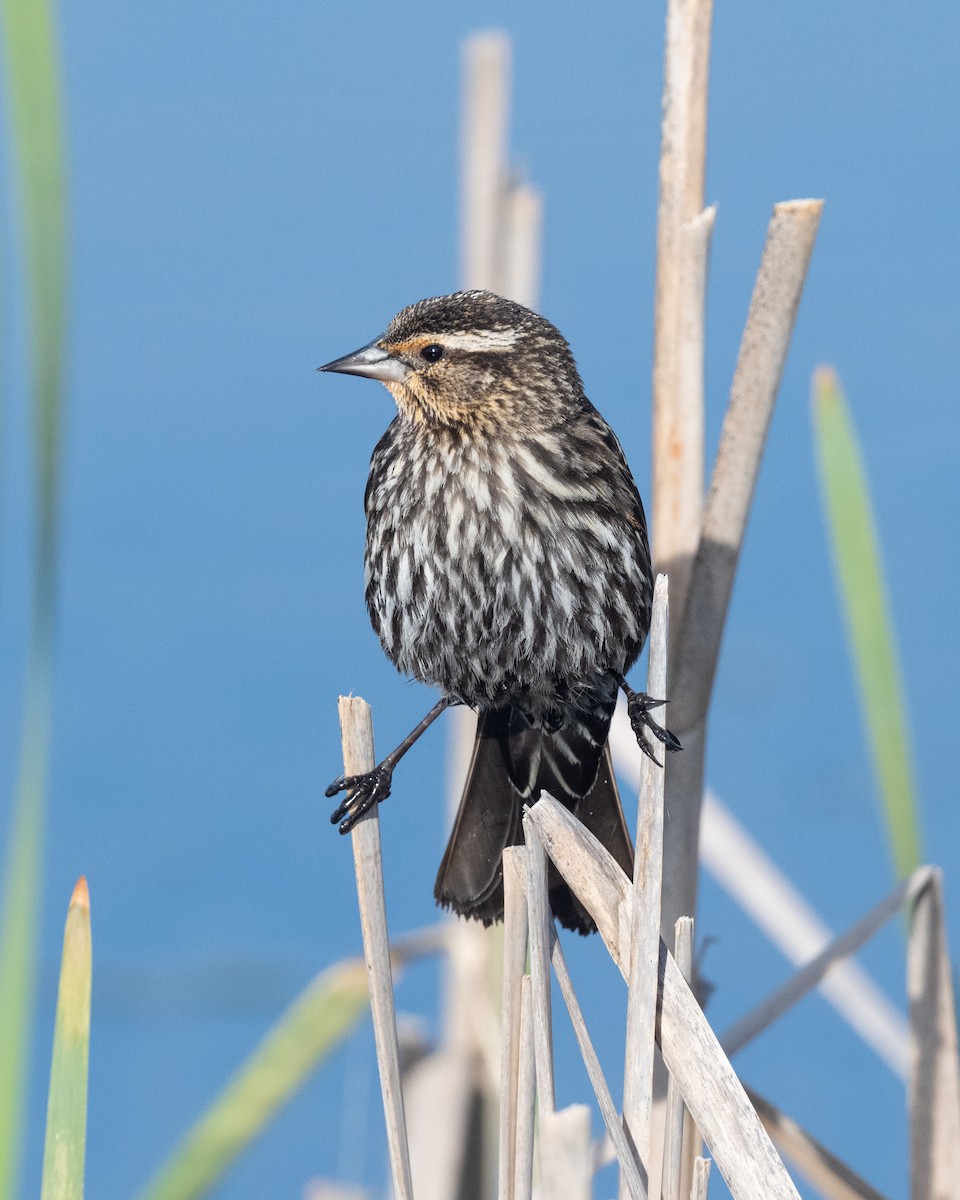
x: 65, y: 1144
x: 852, y: 530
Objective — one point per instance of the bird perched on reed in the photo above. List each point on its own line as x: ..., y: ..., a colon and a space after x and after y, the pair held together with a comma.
x: 506, y: 564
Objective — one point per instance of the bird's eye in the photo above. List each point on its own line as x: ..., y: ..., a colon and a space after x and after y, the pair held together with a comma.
x: 432, y: 353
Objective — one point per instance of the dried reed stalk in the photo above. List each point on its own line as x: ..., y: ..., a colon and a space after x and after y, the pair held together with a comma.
x: 514, y: 961
x: 500, y: 250
x: 356, y: 727
x: 831, y: 1177
x: 935, y: 1069
x: 763, y: 349
x: 437, y: 1098
x: 701, y: 1179
x: 674, y: 1120
x: 526, y: 1096
x: 523, y: 251
x: 645, y: 922
x: 566, y: 1155
x: 486, y: 116
x: 809, y: 976
x: 540, y: 925
x: 631, y: 1169
x: 678, y: 318
x: 471, y: 981
x: 771, y: 900
x: 717, y: 1102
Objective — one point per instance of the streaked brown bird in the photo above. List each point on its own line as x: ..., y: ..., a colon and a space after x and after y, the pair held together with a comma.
x: 506, y: 564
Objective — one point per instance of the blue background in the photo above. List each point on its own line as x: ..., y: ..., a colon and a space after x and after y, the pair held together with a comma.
x: 255, y: 191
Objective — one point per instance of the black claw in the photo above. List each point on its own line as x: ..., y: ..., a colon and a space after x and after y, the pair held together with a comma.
x: 647, y: 749
x: 638, y: 706
x: 363, y: 792
x: 340, y: 812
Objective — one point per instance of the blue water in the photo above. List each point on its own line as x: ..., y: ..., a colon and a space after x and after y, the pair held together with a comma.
x: 255, y: 192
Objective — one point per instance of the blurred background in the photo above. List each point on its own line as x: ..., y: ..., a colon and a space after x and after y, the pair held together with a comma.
x: 255, y: 191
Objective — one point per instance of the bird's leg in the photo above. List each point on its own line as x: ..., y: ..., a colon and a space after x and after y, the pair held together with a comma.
x: 638, y: 710
x: 364, y: 791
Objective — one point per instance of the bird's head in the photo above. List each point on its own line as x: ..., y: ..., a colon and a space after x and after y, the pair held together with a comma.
x: 472, y: 360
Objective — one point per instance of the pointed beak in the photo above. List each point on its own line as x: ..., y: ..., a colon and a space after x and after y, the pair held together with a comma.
x: 371, y: 361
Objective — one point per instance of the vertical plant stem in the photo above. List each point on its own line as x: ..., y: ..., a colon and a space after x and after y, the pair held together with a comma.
x: 678, y: 320
x: 566, y: 1154
x: 514, y: 959
x: 523, y: 249
x: 526, y: 1097
x: 701, y: 1179
x: 934, y: 1091
x: 472, y: 982
x: 645, y: 919
x: 673, y: 1124
x: 540, y: 925
x: 486, y: 118
x: 356, y: 727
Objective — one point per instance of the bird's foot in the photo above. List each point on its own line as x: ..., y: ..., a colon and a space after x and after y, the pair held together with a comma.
x: 638, y: 710
x: 363, y: 792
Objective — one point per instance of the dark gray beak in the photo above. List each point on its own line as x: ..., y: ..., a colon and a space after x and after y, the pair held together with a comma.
x: 371, y: 361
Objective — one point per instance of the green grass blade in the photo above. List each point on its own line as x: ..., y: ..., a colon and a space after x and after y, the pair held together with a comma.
x: 33, y: 90
x: 312, y: 1027
x: 18, y: 936
x: 33, y: 112
x: 317, y: 1021
x: 65, y: 1145
x: 857, y: 560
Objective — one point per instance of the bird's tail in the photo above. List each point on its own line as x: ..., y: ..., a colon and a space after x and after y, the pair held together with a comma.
x: 512, y: 763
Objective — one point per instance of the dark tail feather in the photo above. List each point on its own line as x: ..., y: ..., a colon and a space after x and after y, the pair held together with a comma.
x: 470, y: 879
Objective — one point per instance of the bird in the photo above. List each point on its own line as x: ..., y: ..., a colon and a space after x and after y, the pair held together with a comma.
x: 507, y: 564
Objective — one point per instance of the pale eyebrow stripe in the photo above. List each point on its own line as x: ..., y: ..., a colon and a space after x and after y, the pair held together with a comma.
x: 487, y: 339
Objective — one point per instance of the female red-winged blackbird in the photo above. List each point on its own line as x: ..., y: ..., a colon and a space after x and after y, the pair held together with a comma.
x: 507, y: 564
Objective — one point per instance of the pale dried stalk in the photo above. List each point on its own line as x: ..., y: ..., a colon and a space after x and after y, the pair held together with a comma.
x: 526, y: 1095
x: 713, y: 1094
x: 524, y: 236
x: 356, y: 727
x: 486, y: 114
x: 809, y: 976
x: 437, y: 1096
x: 673, y: 1124
x: 771, y: 900
x: 539, y: 926
x: 471, y: 984
x: 831, y: 1177
x: 935, y: 1075
x: 514, y: 961
x: 566, y: 1155
x: 678, y: 321
x: 645, y: 924
x: 631, y: 1169
x: 679, y: 424
x: 701, y: 1179
x: 763, y: 350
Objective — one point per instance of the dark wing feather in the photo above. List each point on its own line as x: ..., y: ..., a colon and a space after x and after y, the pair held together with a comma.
x: 470, y: 879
